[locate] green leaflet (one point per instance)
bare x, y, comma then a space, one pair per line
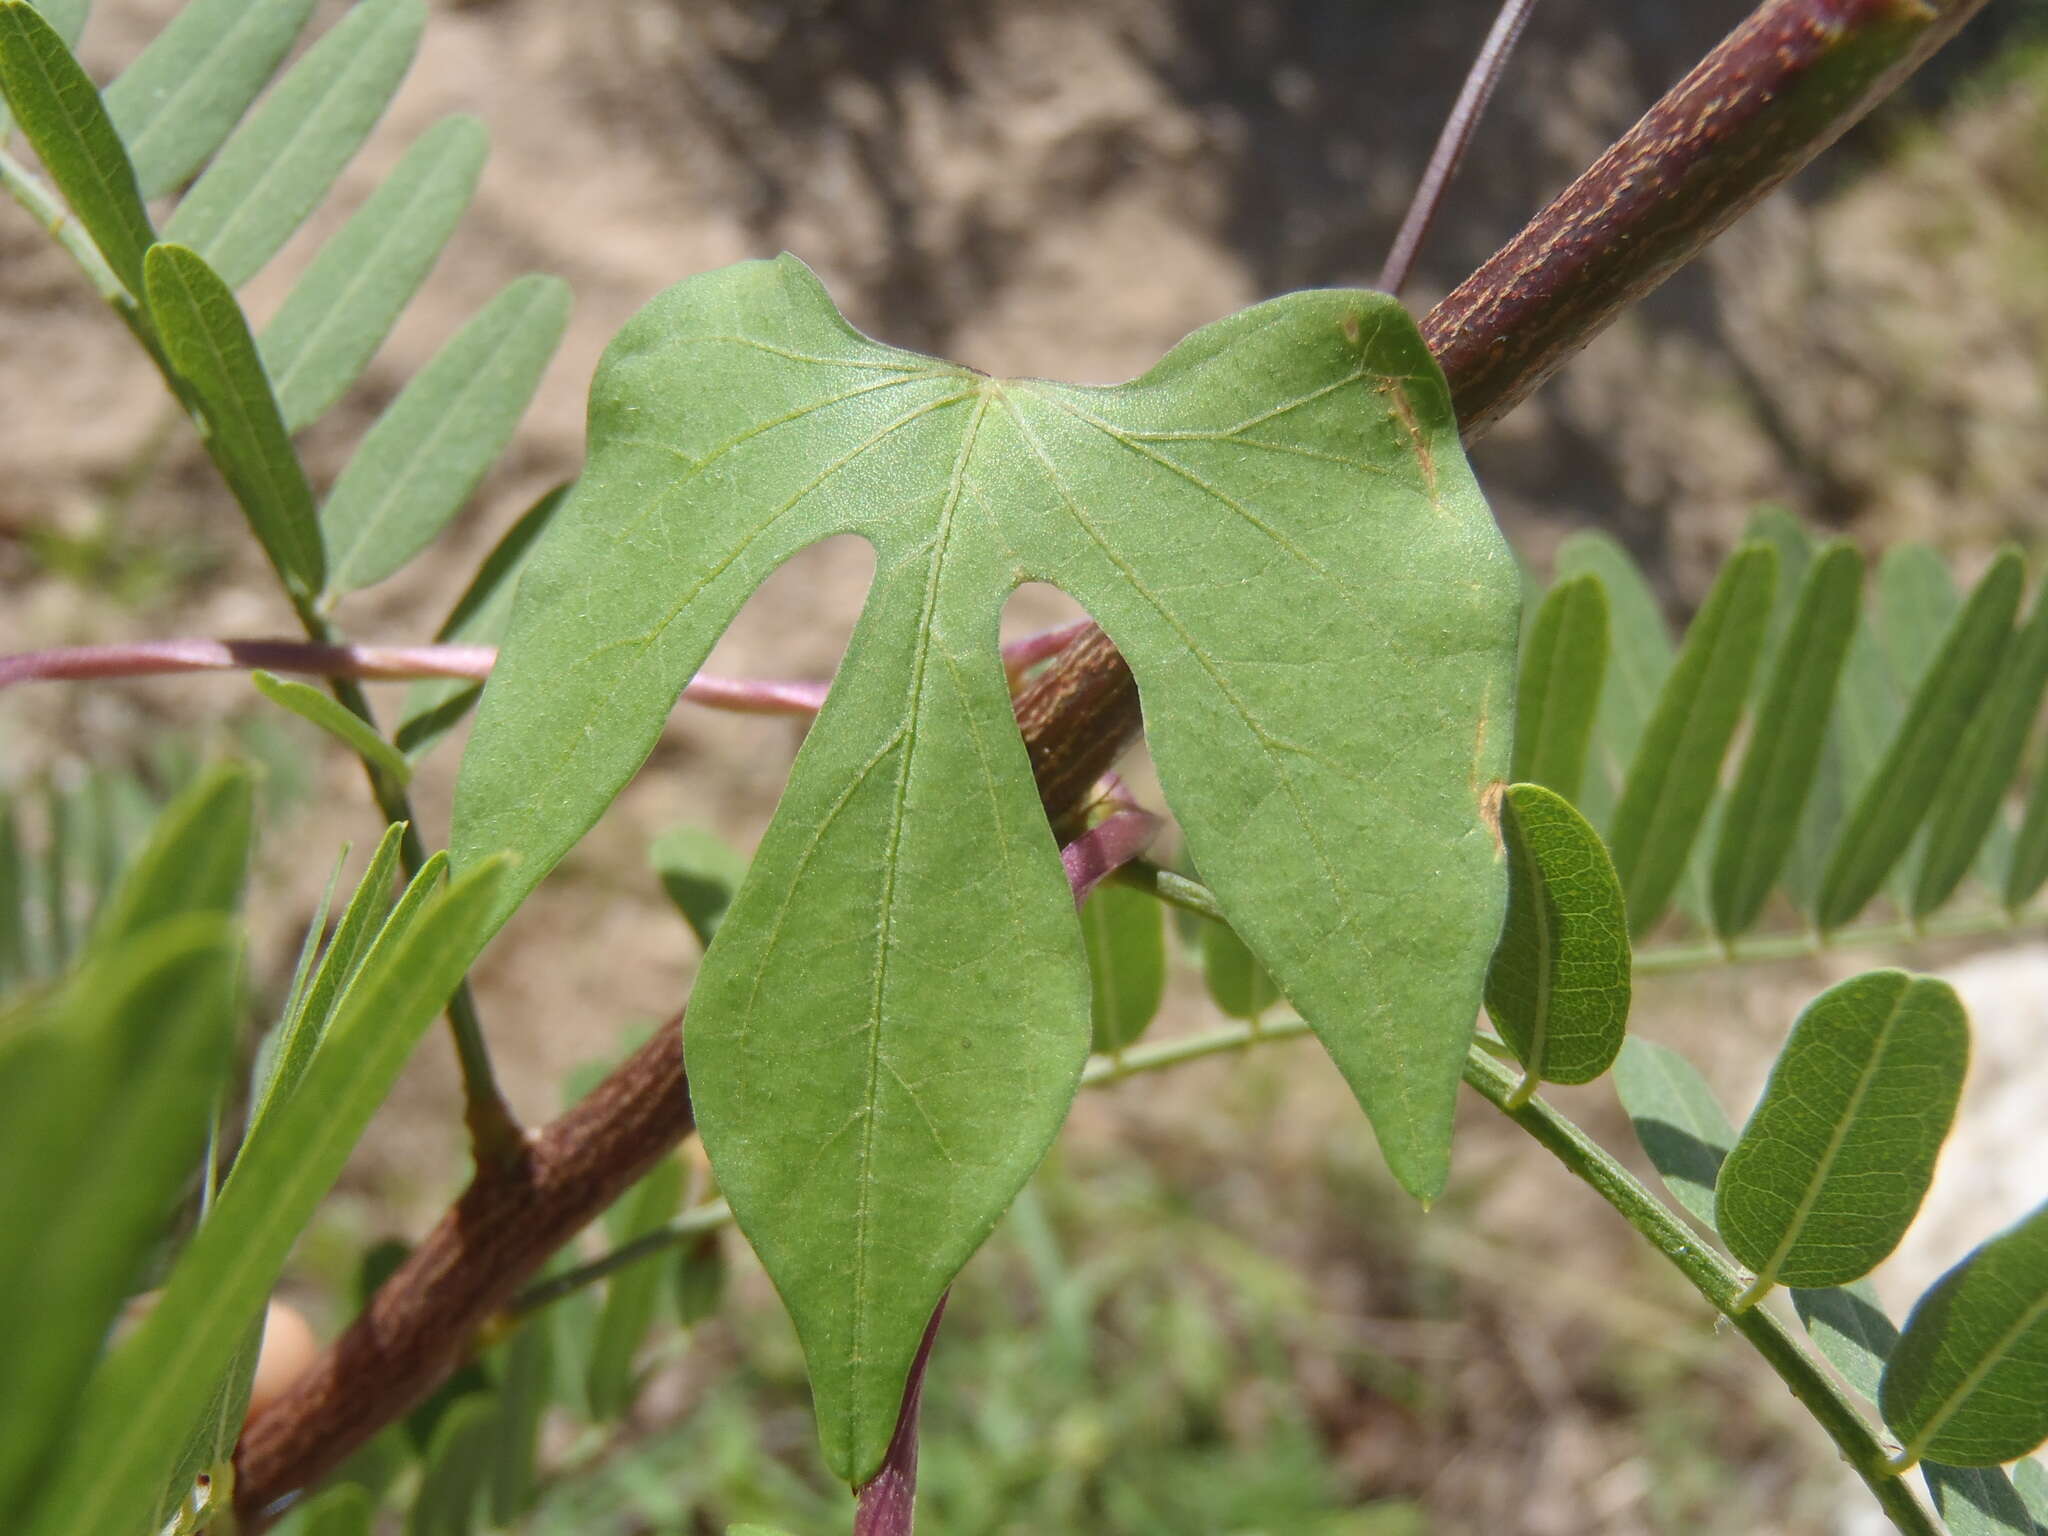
1238, 985
1977, 1501
347, 1510
1564, 663
345, 304
207, 342
67, 20
104, 1103
419, 463
336, 719
54, 101
131, 1425
1831, 1168
632, 1294
1671, 781
456, 1470
1890, 808
432, 709
1683, 1130
1776, 526
1275, 518
2030, 849
1849, 1327
1765, 808
1917, 603
1968, 1383
18, 960
700, 871
525, 1372
1124, 931
195, 861
1639, 655
1967, 804
190, 86
2031, 1479
280, 163
1558, 990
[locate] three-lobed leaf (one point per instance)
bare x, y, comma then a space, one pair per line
1564, 666
1276, 528
1968, 1382
1559, 986
1831, 1168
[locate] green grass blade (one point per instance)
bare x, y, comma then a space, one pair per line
1830, 1170
208, 343
419, 463
1892, 805
1564, 665
433, 709
336, 719
1977, 1501
1966, 806
189, 87
109, 1106
1768, 802
1125, 934
1558, 990
1848, 1325
54, 101
195, 860
1968, 1383
132, 1422
1639, 656
1678, 762
633, 1294
700, 871
280, 163
340, 311
1683, 1130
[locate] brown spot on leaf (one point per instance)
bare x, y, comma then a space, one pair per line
1490, 799
1350, 326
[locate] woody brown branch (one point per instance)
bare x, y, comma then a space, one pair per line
1776, 92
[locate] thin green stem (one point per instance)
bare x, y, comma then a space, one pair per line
695, 1222
29, 190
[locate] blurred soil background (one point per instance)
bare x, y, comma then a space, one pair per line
1211, 1314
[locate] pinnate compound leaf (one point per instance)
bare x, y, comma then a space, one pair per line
1639, 657
891, 1024
1125, 933
700, 871
1831, 1168
1848, 1325
1892, 804
336, 719
345, 304
1678, 762
1759, 829
1683, 1130
208, 343
280, 163
418, 464
191, 85
132, 1422
1972, 791
1558, 990
60, 111
1564, 663
1977, 1501
1968, 1383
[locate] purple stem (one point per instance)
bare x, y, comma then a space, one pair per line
888, 1500
1097, 853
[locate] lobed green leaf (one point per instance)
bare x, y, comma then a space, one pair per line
131, 1424
336, 719
279, 164
1124, 931
1766, 806
1683, 1130
1973, 789
1892, 805
1275, 518
342, 308
1831, 1168
417, 466
207, 342
1968, 1383
1558, 990
1564, 665
1671, 782
191, 85
1639, 657
58, 108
